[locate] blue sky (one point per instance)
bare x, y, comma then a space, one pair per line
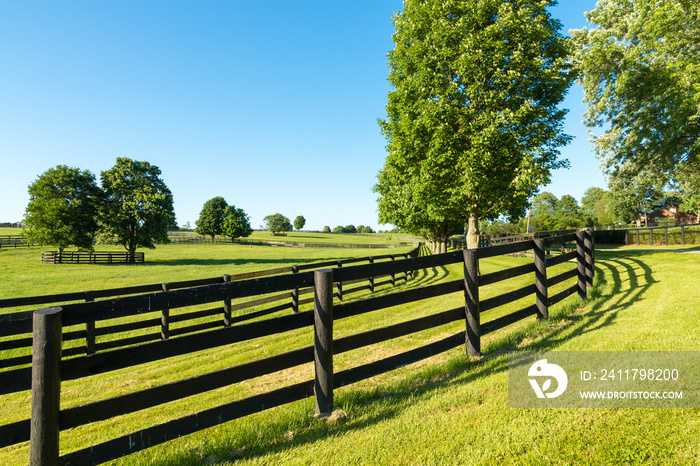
271, 104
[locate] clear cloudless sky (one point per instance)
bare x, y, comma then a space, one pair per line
272, 104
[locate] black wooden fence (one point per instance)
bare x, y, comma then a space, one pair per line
85, 257
680, 234
13, 241
50, 367
19, 324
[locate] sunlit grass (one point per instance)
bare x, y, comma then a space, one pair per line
446, 410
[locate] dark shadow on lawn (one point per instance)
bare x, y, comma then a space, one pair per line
605, 305
425, 277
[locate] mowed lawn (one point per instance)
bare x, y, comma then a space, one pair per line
449, 410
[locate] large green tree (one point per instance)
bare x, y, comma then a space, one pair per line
277, 222
63, 208
634, 193
543, 212
299, 222
138, 207
640, 70
211, 217
550, 213
236, 223
687, 181
595, 207
568, 213
473, 125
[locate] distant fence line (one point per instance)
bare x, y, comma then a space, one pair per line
84, 257
13, 241
49, 368
681, 234
263, 242
665, 235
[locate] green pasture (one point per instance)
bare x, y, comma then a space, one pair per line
445, 410
25, 275
318, 237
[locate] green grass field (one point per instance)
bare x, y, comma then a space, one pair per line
25, 275
318, 237
445, 410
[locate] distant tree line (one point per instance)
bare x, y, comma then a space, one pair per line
67, 208
598, 208
348, 229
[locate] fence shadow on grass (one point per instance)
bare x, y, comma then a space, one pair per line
607, 299
425, 277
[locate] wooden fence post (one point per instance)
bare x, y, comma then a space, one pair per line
581, 264
340, 284
371, 279
227, 304
637, 236
590, 257
295, 292
682, 236
471, 297
393, 277
405, 274
46, 387
542, 293
165, 316
651, 237
89, 327
323, 341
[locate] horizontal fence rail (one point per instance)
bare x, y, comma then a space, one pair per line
50, 367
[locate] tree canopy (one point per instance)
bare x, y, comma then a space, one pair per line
687, 182
236, 223
473, 125
63, 209
551, 213
634, 192
595, 207
277, 223
640, 73
211, 217
299, 222
138, 207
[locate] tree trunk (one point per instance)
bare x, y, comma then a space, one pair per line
443, 239
473, 231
